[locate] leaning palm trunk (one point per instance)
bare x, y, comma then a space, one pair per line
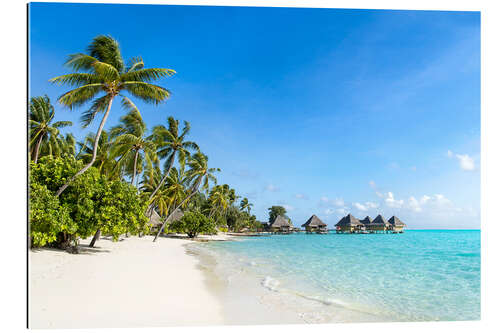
135, 167
195, 189
170, 164
94, 153
37, 149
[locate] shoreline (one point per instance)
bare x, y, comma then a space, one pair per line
130, 283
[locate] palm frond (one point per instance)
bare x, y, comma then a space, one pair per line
59, 124
99, 105
77, 79
148, 92
106, 49
80, 95
147, 74
135, 64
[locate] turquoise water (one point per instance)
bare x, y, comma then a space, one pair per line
415, 276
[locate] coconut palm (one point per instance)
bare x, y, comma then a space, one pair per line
199, 176
245, 205
41, 127
130, 143
171, 145
100, 77
104, 159
151, 178
175, 186
219, 199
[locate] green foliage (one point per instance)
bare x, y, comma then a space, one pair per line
90, 203
47, 217
275, 211
194, 223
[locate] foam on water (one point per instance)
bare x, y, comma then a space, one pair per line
415, 276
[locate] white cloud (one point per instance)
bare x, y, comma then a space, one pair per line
392, 202
289, 208
301, 196
272, 188
366, 206
465, 161
339, 202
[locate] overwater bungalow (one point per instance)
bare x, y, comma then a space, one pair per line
281, 224
379, 224
349, 224
396, 225
314, 224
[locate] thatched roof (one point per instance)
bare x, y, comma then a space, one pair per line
280, 221
379, 220
348, 220
366, 220
396, 222
314, 221
154, 218
177, 215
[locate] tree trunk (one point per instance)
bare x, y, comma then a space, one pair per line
37, 148
94, 153
195, 189
171, 163
135, 166
96, 237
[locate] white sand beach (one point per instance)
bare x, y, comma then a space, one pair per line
130, 283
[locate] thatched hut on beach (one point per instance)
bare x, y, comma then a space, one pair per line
314, 224
154, 219
281, 224
176, 216
378, 224
396, 225
348, 224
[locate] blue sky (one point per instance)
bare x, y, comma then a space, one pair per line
322, 111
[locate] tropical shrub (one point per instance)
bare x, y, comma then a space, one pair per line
91, 202
194, 223
47, 217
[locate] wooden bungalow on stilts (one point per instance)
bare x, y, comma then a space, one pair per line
366, 223
379, 224
396, 225
314, 224
349, 224
281, 225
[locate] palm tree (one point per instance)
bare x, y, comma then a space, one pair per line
219, 199
199, 176
244, 204
103, 72
170, 144
104, 160
175, 186
151, 178
42, 130
130, 143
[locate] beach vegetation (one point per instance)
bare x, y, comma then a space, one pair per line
100, 76
109, 182
44, 132
193, 223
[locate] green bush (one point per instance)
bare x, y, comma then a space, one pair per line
91, 202
194, 223
47, 217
